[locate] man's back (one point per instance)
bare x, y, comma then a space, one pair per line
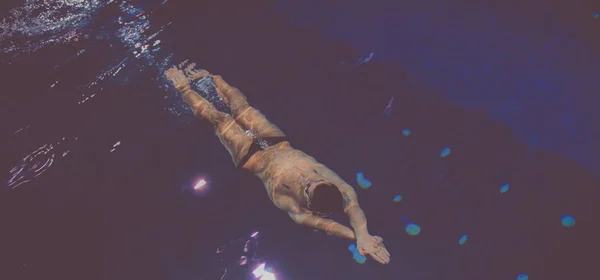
286, 172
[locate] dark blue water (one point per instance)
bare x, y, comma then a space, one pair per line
475, 170
532, 66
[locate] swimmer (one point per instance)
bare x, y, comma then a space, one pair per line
294, 181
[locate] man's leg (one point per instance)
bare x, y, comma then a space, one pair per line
234, 139
227, 130
247, 116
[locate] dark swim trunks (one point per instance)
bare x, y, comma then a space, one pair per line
259, 144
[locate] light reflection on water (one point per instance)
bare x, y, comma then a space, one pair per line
39, 24
39, 161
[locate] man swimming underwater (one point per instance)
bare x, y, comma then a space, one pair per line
295, 181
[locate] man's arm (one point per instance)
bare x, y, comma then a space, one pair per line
355, 214
331, 227
306, 218
351, 208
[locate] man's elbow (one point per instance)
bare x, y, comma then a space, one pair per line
351, 208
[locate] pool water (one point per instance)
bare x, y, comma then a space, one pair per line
109, 175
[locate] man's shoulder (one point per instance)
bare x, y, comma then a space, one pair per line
287, 203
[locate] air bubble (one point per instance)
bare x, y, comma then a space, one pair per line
504, 188
567, 220
412, 229
445, 152
363, 182
463, 239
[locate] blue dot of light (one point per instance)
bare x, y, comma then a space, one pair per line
463, 239
445, 152
412, 229
504, 188
397, 198
596, 15
567, 220
356, 255
522, 276
362, 181
406, 132
359, 258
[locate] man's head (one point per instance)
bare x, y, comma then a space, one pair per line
327, 198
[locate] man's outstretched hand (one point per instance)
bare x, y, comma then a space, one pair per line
374, 248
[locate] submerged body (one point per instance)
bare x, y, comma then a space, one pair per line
291, 177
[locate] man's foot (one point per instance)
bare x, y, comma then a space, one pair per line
196, 74
231, 95
193, 74
177, 77
183, 63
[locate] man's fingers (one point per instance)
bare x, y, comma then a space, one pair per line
381, 255
183, 63
190, 67
196, 74
377, 258
384, 250
386, 253
378, 242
